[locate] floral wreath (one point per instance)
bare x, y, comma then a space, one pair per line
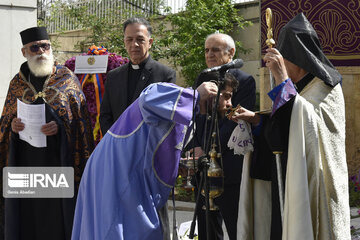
93, 84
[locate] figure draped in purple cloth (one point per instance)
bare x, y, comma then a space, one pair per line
129, 176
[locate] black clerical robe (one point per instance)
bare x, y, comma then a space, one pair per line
45, 218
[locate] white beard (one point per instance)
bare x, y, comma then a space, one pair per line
41, 65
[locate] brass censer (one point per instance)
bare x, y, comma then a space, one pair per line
216, 177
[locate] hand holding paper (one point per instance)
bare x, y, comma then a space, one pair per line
17, 125
33, 118
50, 128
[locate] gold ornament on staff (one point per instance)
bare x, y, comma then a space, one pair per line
269, 41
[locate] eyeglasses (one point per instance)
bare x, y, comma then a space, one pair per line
36, 47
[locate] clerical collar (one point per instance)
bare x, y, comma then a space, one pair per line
139, 66
300, 85
135, 66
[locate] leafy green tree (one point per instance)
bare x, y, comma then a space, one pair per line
104, 30
182, 42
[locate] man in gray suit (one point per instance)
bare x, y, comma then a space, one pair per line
125, 83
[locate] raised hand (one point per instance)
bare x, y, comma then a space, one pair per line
206, 91
275, 62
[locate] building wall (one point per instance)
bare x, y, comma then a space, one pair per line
250, 38
15, 15
64, 44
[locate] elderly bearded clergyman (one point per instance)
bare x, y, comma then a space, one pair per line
68, 139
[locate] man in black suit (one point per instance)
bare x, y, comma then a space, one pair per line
219, 50
125, 83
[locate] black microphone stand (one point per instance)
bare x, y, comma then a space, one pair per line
203, 165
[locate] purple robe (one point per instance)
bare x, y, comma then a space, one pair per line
131, 172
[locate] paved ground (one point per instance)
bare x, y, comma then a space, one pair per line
355, 222
185, 213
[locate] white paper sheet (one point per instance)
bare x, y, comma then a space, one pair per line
33, 116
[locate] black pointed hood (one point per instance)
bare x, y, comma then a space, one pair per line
299, 44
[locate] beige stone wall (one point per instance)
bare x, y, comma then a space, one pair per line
64, 44
351, 89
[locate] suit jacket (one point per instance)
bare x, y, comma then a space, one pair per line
115, 97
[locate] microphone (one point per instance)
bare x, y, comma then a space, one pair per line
236, 63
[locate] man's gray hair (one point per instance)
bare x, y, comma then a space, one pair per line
141, 21
230, 43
